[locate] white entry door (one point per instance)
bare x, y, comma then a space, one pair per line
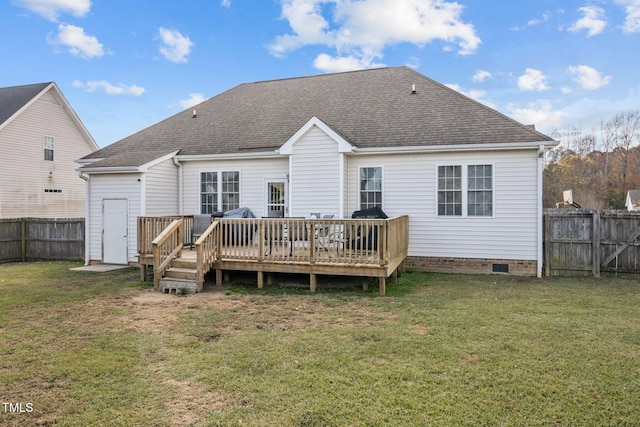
276, 197
115, 218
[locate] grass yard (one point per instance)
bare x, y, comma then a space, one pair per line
85, 349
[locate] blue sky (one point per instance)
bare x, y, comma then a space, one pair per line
127, 64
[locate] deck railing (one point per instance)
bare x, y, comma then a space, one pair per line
149, 227
345, 242
207, 252
336, 241
166, 247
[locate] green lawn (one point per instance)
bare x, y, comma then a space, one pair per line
86, 349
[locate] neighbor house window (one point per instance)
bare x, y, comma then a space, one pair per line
370, 188
465, 190
219, 191
48, 144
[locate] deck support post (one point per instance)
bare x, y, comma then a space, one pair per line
143, 272
218, 277
260, 279
394, 276
383, 285
313, 282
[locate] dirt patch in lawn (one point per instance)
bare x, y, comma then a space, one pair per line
224, 314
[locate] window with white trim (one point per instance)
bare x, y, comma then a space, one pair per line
370, 187
48, 145
480, 190
465, 190
219, 191
230, 190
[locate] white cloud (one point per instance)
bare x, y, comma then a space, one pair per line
226, 3
194, 99
77, 42
533, 80
593, 21
109, 88
481, 75
536, 21
359, 30
330, 64
539, 113
175, 47
52, 9
587, 77
632, 21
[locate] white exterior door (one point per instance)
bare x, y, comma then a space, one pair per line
115, 231
276, 197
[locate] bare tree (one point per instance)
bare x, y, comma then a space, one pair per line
628, 136
608, 140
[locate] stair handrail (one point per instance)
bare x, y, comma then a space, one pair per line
207, 252
166, 247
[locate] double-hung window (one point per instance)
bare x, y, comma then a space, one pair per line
48, 145
465, 190
219, 191
370, 187
480, 190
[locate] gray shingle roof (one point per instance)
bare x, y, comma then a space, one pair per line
370, 109
15, 97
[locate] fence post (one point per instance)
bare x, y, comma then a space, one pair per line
547, 238
595, 250
23, 239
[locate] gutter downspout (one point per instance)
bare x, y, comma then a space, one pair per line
180, 185
87, 235
540, 231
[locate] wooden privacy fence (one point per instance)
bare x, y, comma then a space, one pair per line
30, 239
590, 242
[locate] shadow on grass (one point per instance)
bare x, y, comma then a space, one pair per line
298, 284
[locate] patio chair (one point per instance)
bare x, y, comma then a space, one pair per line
200, 224
324, 234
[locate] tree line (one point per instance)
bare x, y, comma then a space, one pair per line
600, 165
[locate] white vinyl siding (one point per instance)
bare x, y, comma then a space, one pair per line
25, 175
315, 175
161, 189
410, 188
113, 186
252, 177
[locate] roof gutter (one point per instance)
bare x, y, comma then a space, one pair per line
112, 169
230, 156
457, 148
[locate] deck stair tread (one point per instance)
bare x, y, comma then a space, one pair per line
181, 273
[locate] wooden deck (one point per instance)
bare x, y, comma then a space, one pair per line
349, 247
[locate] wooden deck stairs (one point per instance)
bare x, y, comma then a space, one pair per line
180, 278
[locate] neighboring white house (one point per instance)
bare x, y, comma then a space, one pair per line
633, 200
469, 177
40, 138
